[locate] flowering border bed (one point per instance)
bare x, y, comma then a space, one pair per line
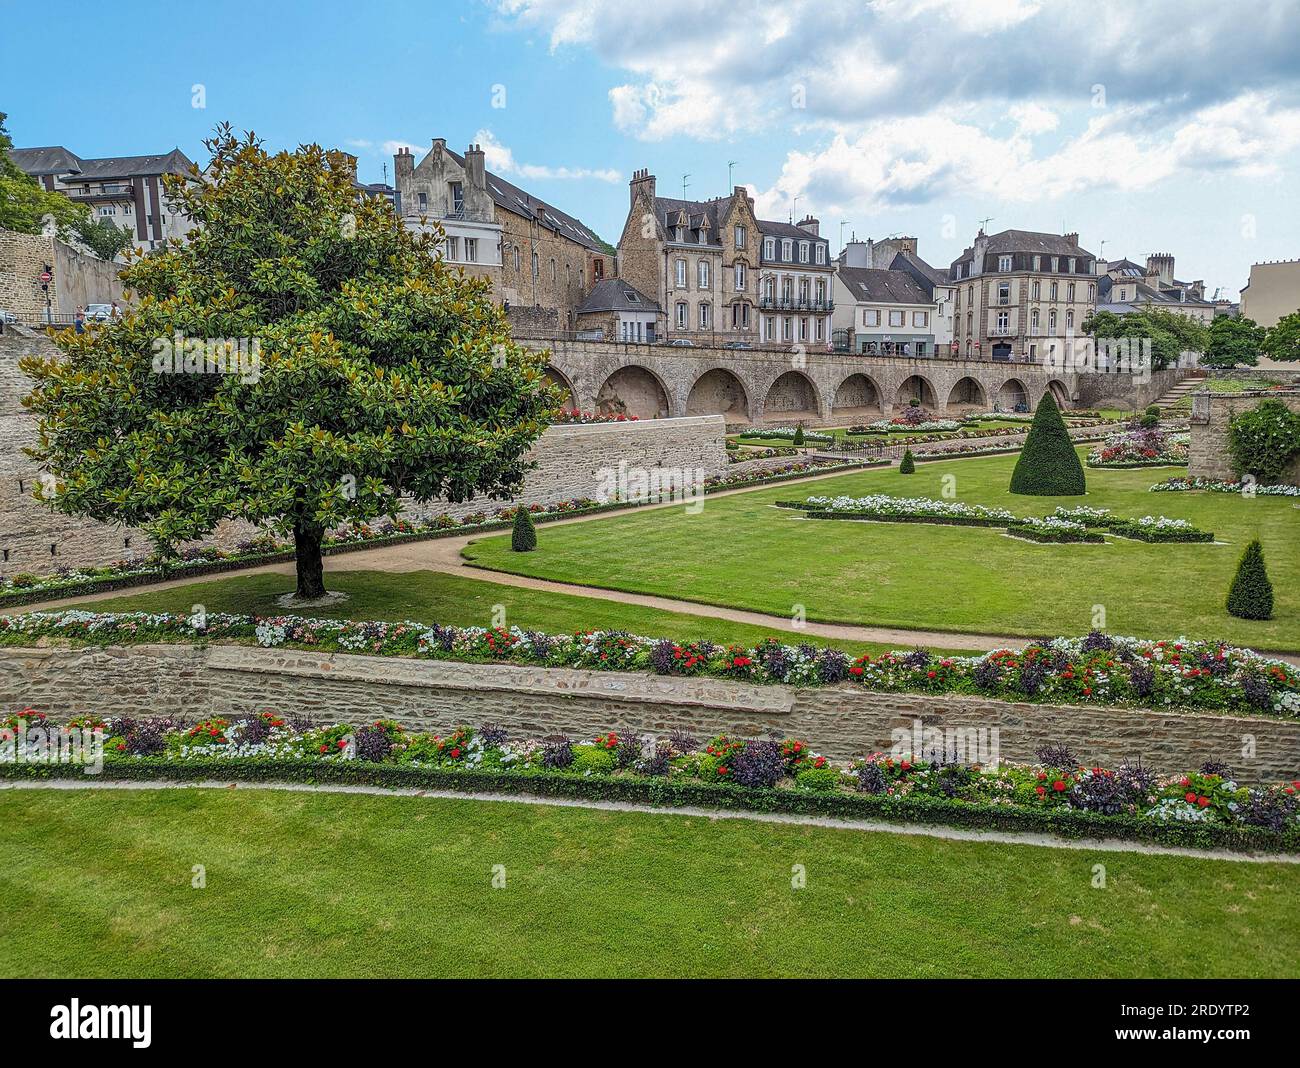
1054, 531
1056, 795
214, 561
1213, 485
1096, 670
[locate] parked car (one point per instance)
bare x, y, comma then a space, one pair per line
737, 345
99, 313
681, 343
7, 316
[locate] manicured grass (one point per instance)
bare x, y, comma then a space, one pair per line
1225, 385
739, 550
434, 597
313, 885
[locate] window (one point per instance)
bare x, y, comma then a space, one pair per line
740, 278
680, 267
703, 235
957, 304
1069, 319
821, 328
1054, 291
803, 251
1070, 268
821, 291
957, 272
453, 248
704, 316
457, 197
552, 270
821, 255
1034, 290
1038, 263
702, 274
537, 266
1051, 321
787, 288
108, 209
803, 328
1004, 263
1033, 321
740, 237
471, 250
1056, 264
769, 248
518, 265
424, 201
1092, 293
920, 348
787, 250
740, 317
1004, 322
1069, 292
681, 315
769, 289
1004, 292
677, 234
870, 317
968, 322
897, 318
771, 329
921, 319
597, 269
787, 330
126, 208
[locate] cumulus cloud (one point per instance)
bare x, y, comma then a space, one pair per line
500, 158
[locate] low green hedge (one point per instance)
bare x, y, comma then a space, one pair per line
668, 793
1023, 530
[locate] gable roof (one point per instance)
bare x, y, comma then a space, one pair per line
883, 286
1026, 241
509, 197
906, 261
613, 294
57, 160
52, 159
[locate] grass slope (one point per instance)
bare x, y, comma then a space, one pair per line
353, 885
740, 551
434, 597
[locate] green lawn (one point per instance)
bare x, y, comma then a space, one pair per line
433, 597
1225, 385
353, 885
741, 551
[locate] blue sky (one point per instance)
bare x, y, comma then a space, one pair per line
1171, 127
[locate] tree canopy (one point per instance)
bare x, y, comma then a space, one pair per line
1234, 340
1282, 342
24, 203
370, 371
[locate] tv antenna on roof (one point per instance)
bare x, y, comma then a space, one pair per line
984, 224
730, 164
684, 185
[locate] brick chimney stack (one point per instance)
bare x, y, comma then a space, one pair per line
809, 225
642, 181
475, 171
403, 165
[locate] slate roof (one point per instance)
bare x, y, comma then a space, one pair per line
57, 160
880, 286
611, 294
53, 159
667, 210
1027, 241
510, 197
904, 260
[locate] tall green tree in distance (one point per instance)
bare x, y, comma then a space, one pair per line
1048, 466
1233, 341
371, 371
1282, 341
23, 203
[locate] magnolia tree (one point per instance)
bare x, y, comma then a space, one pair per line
300, 359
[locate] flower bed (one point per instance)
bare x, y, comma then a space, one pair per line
1138, 448
1052, 529
571, 416
784, 433
1158, 528
738, 456
882, 506
1097, 669
1055, 794
1213, 485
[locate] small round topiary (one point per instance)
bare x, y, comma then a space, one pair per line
1251, 594
907, 465
523, 537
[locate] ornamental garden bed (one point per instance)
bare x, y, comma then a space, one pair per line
1055, 795
1061, 532
1182, 484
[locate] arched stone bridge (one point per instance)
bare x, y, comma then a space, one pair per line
774, 385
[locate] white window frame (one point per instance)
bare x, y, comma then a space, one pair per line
683, 313
803, 251
920, 318
821, 254
679, 274
1004, 264
702, 274
897, 317
740, 277
769, 248
739, 235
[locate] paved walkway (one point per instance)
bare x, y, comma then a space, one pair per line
956, 834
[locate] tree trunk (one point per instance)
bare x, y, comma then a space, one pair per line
307, 558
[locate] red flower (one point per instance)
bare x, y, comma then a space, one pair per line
1058, 786
929, 674
1202, 801
1040, 790
1189, 797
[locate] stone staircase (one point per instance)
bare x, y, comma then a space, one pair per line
1187, 386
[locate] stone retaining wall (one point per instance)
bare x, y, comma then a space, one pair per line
842, 722
1212, 413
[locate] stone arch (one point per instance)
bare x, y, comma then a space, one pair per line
792, 397
917, 386
1013, 396
633, 390
858, 397
968, 395
555, 377
719, 392
1060, 393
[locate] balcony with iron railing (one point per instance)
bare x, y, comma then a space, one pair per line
803, 304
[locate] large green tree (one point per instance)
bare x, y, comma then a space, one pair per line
1282, 341
1139, 327
23, 202
379, 373
1233, 340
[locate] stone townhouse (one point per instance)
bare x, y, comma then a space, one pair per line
1023, 295
1124, 287
795, 286
124, 190
541, 261
900, 254
699, 260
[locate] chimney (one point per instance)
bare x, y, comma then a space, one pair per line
1161, 266
350, 165
475, 174
857, 254
809, 225
403, 165
642, 182
1072, 238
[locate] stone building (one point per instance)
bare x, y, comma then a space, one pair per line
1272, 292
1023, 295
542, 262
883, 312
615, 310
125, 190
699, 260
76, 279
1124, 287
795, 285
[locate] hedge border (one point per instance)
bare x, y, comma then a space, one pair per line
666, 793
1028, 533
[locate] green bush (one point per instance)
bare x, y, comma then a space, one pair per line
1048, 465
1262, 441
1251, 594
908, 464
798, 435
592, 759
523, 536
822, 780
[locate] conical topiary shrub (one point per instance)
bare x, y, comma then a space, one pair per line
907, 465
798, 435
1251, 594
1048, 465
523, 536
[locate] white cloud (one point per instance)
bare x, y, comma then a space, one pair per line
391, 147
499, 158
1033, 118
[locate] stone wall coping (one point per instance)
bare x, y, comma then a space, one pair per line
634, 425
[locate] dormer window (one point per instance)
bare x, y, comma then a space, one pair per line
803, 251
787, 250
769, 248
1004, 263
677, 235
457, 197
821, 255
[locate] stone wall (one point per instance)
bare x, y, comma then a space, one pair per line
570, 460
78, 279
842, 722
1212, 413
